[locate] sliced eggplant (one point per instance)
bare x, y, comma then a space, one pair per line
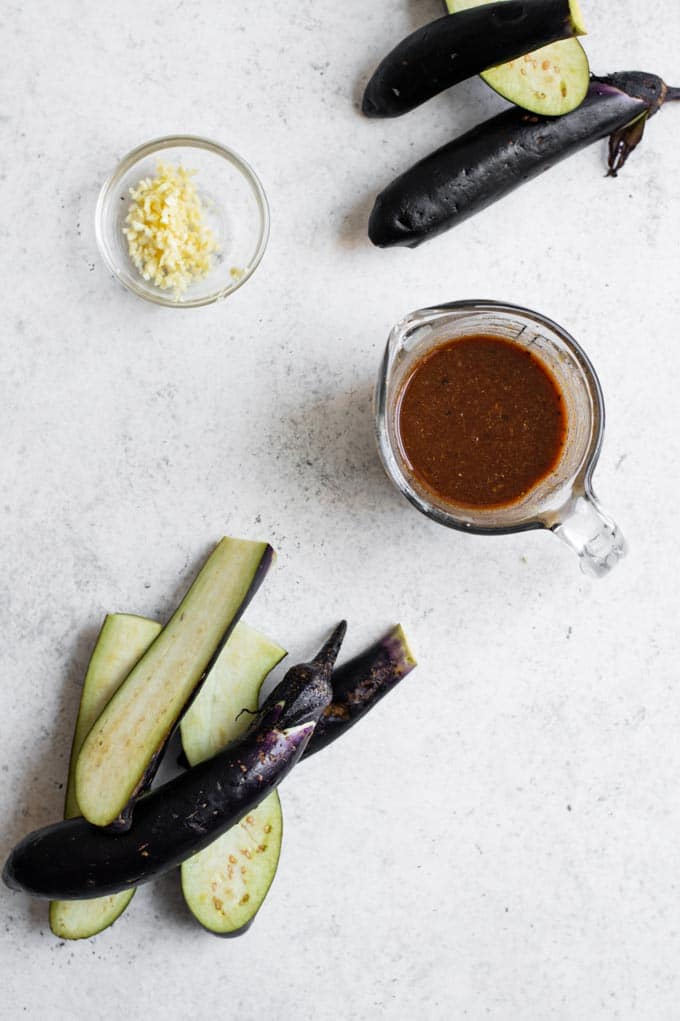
482, 166
122, 640
122, 751
73, 859
458, 46
550, 81
225, 885
220, 712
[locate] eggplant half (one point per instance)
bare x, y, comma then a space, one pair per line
550, 81
122, 641
225, 885
228, 699
458, 46
122, 752
481, 167
73, 859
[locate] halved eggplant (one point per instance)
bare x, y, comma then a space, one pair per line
73, 859
225, 885
123, 639
219, 713
456, 47
122, 751
550, 81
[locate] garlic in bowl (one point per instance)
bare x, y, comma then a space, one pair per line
182, 221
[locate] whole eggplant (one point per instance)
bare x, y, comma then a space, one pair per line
458, 46
487, 163
73, 859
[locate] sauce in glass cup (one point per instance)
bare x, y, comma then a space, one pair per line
490, 419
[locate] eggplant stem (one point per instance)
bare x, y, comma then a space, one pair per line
624, 141
328, 654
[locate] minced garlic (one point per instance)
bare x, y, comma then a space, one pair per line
168, 240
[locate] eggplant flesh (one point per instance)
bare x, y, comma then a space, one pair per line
225, 885
219, 714
475, 170
458, 46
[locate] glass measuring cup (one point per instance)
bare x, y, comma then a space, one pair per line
563, 501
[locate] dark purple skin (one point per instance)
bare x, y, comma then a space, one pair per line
308, 684
124, 821
458, 46
73, 860
493, 159
359, 684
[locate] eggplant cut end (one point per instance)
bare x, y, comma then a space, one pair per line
398, 641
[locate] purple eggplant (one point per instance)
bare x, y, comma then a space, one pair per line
73, 859
359, 684
458, 46
493, 159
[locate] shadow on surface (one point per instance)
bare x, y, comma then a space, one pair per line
39, 799
329, 440
167, 902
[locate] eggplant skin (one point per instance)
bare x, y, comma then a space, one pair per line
482, 166
235, 932
361, 683
458, 46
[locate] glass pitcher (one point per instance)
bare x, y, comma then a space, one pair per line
564, 501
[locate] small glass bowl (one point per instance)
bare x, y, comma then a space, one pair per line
235, 208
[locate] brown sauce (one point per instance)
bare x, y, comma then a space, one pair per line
481, 421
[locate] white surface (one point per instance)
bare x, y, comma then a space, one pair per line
499, 839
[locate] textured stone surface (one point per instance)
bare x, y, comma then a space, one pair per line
500, 838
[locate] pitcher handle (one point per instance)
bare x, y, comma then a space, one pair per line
592, 534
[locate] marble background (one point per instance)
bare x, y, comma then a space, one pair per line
499, 839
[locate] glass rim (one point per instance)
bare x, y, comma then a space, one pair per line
579, 481
172, 142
